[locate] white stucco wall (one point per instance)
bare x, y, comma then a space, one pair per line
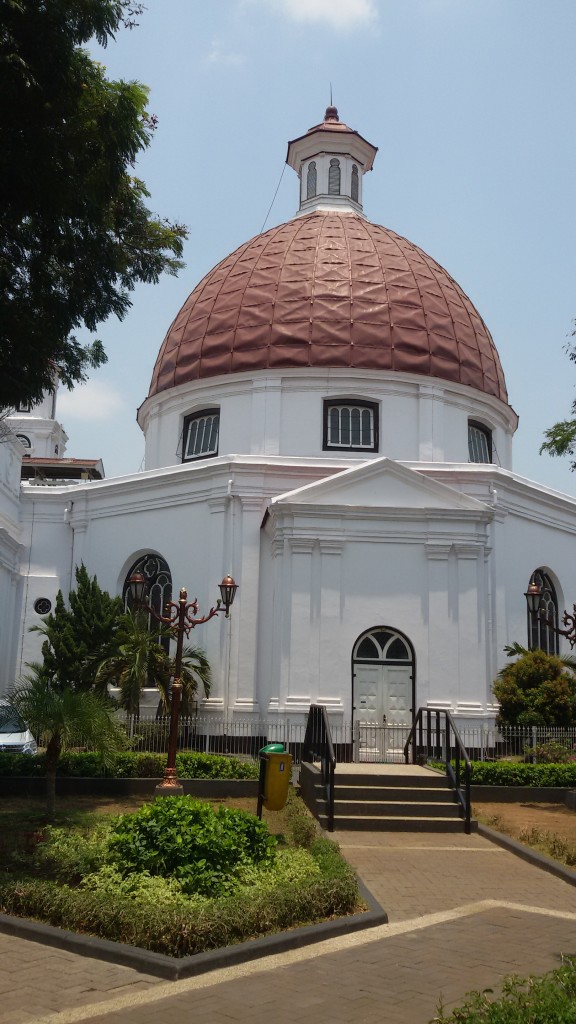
281, 413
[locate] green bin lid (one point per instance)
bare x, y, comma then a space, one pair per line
273, 748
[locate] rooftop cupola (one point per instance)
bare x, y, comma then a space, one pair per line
330, 160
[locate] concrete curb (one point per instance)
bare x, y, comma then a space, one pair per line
172, 969
539, 860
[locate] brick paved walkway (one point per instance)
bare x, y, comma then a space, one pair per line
463, 913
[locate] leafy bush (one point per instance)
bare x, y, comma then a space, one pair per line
514, 773
552, 752
550, 999
264, 890
191, 841
130, 765
536, 690
174, 930
69, 855
140, 886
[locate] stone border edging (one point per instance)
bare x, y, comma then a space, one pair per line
539, 860
173, 969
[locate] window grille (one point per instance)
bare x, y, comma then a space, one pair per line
540, 633
201, 435
156, 572
350, 426
311, 180
334, 177
479, 443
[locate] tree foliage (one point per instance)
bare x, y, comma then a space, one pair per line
561, 437
135, 659
60, 718
76, 235
536, 690
77, 636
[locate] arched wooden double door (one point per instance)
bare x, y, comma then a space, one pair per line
383, 692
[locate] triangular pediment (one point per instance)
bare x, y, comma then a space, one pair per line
380, 483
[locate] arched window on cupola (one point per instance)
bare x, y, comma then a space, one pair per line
354, 187
311, 180
334, 177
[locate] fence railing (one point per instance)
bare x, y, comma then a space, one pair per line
360, 741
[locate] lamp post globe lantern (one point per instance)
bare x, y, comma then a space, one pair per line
228, 589
533, 596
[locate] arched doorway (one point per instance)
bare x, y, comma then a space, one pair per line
383, 693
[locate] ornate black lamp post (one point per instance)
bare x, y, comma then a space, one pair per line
180, 617
534, 598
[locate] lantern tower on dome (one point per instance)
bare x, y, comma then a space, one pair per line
330, 160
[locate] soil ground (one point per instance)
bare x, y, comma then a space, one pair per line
513, 819
24, 813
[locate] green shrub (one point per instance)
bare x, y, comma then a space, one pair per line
551, 752
536, 689
550, 999
130, 764
139, 886
69, 855
174, 930
513, 773
192, 841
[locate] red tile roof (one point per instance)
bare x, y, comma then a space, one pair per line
329, 290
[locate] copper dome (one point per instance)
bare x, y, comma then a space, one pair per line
329, 290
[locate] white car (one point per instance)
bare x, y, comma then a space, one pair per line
15, 736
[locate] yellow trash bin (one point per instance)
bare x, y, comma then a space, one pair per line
277, 775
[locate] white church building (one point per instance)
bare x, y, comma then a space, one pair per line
328, 422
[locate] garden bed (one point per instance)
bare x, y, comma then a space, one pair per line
175, 938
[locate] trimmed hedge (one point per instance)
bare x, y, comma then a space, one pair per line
516, 773
176, 931
129, 765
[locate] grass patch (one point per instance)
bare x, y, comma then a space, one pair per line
250, 884
549, 999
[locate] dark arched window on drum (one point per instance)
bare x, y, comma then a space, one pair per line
156, 572
540, 632
311, 179
334, 177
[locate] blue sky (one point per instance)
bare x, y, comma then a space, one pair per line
471, 103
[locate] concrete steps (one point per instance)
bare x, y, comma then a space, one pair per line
402, 801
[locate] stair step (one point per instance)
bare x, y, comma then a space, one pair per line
430, 781
408, 808
400, 793
364, 823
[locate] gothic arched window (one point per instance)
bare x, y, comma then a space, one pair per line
156, 572
311, 180
540, 634
334, 177
354, 189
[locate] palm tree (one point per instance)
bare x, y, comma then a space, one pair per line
62, 718
135, 660
138, 660
195, 672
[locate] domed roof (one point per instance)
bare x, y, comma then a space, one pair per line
329, 289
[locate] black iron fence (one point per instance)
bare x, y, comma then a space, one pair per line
360, 741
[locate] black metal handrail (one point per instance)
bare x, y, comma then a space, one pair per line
425, 740
318, 746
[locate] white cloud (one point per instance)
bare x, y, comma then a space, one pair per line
335, 13
218, 55
94, 400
